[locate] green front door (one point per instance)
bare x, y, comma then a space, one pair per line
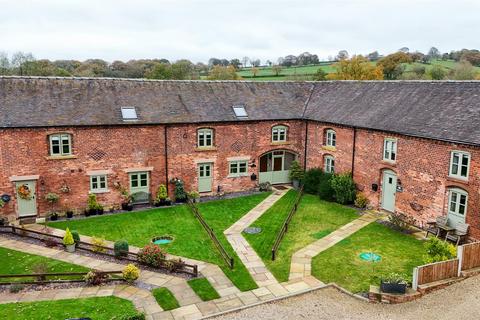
140, 187
26, 206
204, 177
389, 189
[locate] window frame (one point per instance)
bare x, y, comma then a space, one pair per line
236, 163
460, 193
330, 138
61, 146
202, 132
459, 165
139, 179
99, 189
395, 152
276, 133
329, 164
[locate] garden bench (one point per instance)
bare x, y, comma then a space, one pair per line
434, 227
459, 234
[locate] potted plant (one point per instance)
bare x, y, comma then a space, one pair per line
162, 196
393, 283
296, 174
52, 198
69, 213
53, 216
92, 205
194, 196
180, 194
68, 241
127, 200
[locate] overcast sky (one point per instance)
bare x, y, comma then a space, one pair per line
264, 29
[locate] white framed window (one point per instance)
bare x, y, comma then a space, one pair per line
205, 138
138, 180
390, 150
240, 111
279, 134
329, 165
129, 113
459, 165
238, 168
60, 144
331, 138
457, 202
98, 183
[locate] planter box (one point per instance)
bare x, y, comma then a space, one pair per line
393, 287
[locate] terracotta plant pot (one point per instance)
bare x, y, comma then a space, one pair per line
70, 248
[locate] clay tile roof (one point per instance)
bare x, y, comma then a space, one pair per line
443, 110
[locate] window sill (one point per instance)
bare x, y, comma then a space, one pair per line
61, 157
277, 143
238, 176
458, 180
99, 191
329, 148
390, 163
200, 149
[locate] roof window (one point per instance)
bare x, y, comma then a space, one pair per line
129, 113
240, 111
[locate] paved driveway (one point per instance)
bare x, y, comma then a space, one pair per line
460, 301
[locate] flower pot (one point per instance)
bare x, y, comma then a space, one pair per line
296, 183
127, 206
387, 287
100, 211
157, 203
69, 214
168, 202
70, 248
181, 200
54, 217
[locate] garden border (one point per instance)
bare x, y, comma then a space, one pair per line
36, 275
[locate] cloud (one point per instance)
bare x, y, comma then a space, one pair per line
198, 30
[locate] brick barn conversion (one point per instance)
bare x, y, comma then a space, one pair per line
412, 146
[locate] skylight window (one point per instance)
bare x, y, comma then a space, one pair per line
129, 113
240, 111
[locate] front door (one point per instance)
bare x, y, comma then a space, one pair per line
389, 188
275, 167
140, 186
457, 207
27, 206
204, 177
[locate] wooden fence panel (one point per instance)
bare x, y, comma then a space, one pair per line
471, 256
437, 271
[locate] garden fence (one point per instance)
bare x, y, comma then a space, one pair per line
42, 277
180, 267
468, 257
285, 225
223, 253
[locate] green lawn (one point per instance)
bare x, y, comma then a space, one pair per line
102, 308
203, 289
165, 298
266, 73
16, 262
190, 239
314, 219
341, 264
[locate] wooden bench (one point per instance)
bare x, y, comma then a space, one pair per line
433, 227
458, 235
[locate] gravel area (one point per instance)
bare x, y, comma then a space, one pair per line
459, 301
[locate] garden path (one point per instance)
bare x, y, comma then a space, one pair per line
301, 265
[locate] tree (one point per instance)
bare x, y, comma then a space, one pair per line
182, 69
269, 63
235, 63
419, 70
464, 71
4, 64
160, 71
433, 53
277, 69
288, 61
356, 68
223, 73
19, 62
437, 72
255, 62
320, 75
404, 49
254, 71
342, 55
245, 61
373, 56
214, 62
391, 64
472, 56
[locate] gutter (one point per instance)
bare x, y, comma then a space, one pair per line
166, 156
353, 149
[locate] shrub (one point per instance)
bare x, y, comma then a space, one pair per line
193, 195
130, 273
120, 248
173, 265
296, 171
98, 244
438, 250
361, 201
311, 180
92, 203
95, 277
151, 255
180, 193
40, 267
400, 221
161, 193
76, 236
51, 197
68, 238
324, 188
137, 316
344, 188
265, 186
395, 278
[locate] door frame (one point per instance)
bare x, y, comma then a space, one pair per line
34, 198
146, 189
385, 173
200, 164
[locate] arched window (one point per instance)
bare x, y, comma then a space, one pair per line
279, 134
457, 202
60, 144
205, 137
330, 138
329, 164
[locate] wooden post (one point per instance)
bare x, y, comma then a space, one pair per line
415, 279
460, 259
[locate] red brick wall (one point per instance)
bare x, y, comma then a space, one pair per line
249, 139
25, 152
422, 166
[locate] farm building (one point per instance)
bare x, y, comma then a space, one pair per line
413, 146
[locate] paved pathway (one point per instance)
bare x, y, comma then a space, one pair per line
246, 253
301, 265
